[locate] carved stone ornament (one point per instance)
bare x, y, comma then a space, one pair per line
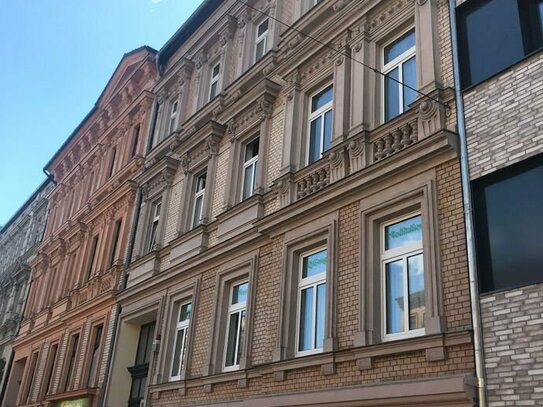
231, 130
264, 110
336, 157
213, 144
185, 163
339, 4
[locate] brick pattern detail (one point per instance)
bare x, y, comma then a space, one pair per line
204, 322
276, 146
267, 301
348, 274
513, 343
454, 272
109, 326
222, 173
504, 117
173, 209
385, 369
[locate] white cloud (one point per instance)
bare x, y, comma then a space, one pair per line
155, 1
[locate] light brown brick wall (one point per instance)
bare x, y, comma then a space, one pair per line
411, 365
454, 272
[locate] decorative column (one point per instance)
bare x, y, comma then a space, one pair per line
363, 81
226, 35
427, 38
183, 83
290, 160
342, 90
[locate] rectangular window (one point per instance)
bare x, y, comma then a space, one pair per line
311, 302
400, 67
181, 338
93, 367
31, 376
153, 230
72, 356
249, 169
140, 369
402, 273
507, 209
320, 123
52, 364
135, 141
214, 81
261, 41
115, 247
200, 189
495, 34
173, 117
235, 327
92, 258
112, 162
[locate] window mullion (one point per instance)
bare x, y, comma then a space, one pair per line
314, 312
406, 294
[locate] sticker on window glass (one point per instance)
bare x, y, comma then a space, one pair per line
406, 232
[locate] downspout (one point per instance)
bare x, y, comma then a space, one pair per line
468, 215
50, 176
122, 286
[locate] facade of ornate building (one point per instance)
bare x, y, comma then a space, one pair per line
19, 239
501, 71
300, 238
63, 345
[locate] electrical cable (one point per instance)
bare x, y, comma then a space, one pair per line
339, 52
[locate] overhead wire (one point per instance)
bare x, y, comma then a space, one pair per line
344, 54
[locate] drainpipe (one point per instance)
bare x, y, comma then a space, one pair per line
50, 176
468, 215
122, 286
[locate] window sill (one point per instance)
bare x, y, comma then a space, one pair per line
189, 244
433, 345
239, 218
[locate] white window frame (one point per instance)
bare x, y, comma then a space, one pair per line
251, 162
214, 80
153, 226
198, 193
234, 309
390, 66
174, 116
314, 116
181, 326
303, 284
389, 256
261, 38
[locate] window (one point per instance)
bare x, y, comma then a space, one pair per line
93, 367
173, 117
72, 355
52, 363
507, 209
249, 169
92, 259
27, 396
320, 123
135, 141
112, 162
155, 218
200, 189
261, 42
311, 302
235, 328
402, 273
399, 66
495, 34
116, 236
214, 81
181, 339
141, 367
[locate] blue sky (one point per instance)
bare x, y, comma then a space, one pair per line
56, 56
